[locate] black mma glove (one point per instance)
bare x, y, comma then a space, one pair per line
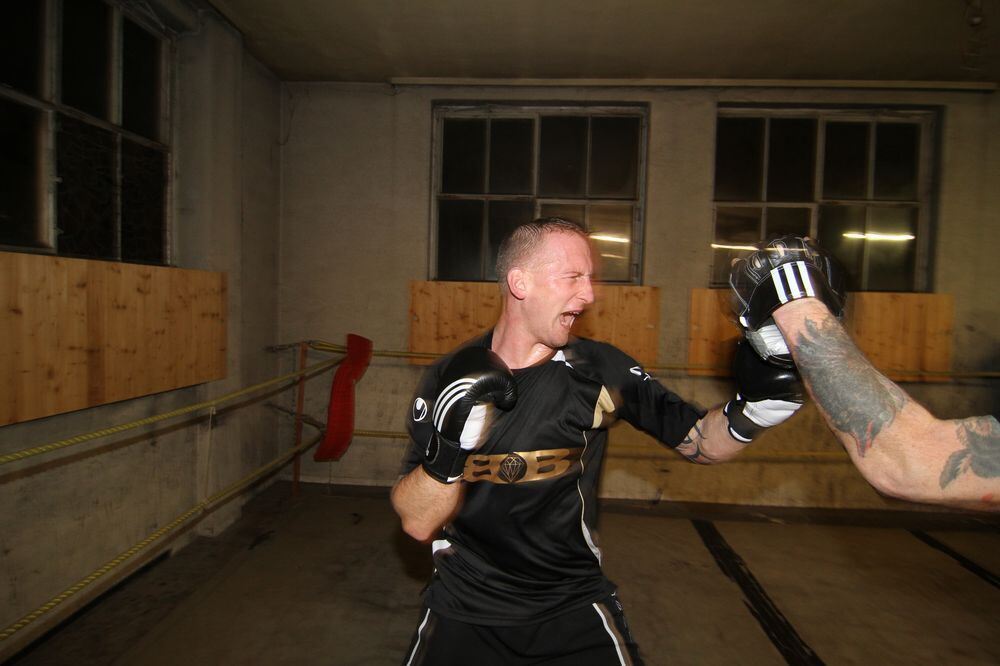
474, 380
782, 270
766, 394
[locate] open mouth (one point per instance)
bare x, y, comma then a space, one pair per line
567, 318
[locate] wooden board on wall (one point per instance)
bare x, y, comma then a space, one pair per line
445, 314
900, 333
79, 333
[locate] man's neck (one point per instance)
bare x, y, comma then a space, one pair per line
515, 346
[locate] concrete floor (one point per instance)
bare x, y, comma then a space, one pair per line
330, 579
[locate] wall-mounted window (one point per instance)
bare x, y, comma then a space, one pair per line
856, 180
84, 151
498, 166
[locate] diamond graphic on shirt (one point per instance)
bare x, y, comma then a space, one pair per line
512, 468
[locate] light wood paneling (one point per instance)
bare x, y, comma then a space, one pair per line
902, 334
79, 333
445, 314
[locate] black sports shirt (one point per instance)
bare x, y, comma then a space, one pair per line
523, 546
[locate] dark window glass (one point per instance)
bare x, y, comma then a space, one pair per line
19, 186
614, 157
738, 159
892, 261
563, 156
143, 178
511, 147
576, 213
787, 221
503, 217
85, 162
845, 174
86, 56
464, 157
896, 160
460, 236
21, 45
834, 223
791, 159
140, 81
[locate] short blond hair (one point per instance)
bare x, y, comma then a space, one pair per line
526, 239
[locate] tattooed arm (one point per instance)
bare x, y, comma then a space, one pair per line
898, 446
709, 441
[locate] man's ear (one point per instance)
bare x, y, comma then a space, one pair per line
517, 283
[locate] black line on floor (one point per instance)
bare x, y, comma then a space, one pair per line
775, 625
980, 571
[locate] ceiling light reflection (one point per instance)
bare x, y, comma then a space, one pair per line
720, 246
875, 236
610, 238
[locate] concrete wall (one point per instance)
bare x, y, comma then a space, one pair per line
355, 229
77, 510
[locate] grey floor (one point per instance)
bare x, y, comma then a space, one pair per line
328, 578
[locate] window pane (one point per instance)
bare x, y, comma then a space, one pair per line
143, 178
791, 159
891, 263
460, 235
503, 217
21, 45
19, 186
834, 222
733, 227
86, 56
737, 225
463, 157
570, 212
739, 159
845, 174
786, 221
896, 161
85, 162
611, 234
140, 81
614, 157
511, 147
563, 156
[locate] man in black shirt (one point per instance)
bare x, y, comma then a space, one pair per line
509, 435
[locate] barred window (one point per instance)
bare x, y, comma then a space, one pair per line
84, 152
856, 180
498, 166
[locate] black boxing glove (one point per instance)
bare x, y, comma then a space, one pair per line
472, 383
766, 394
780, 271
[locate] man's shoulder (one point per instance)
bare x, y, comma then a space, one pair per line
597, 359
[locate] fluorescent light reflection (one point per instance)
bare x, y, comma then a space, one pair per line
612, 256
875, 236
610, 238
719, 246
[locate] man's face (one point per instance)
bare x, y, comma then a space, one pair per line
558, 287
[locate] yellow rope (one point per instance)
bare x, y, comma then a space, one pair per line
176, 523
79, 439
987, 374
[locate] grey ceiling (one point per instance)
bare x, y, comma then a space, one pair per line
378, 40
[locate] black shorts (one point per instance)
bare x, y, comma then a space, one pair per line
594, 635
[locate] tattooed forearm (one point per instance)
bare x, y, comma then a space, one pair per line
690, 448
980, 454
859, 400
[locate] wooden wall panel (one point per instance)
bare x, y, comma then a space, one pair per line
445, 314
79, 333
900, 333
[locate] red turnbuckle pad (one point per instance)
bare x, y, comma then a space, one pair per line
340, 414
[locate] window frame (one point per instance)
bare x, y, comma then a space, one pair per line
514, 110
50, 105
926, 118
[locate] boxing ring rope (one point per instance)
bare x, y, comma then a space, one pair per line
292, 455
321, 345
200, 509
207, 404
